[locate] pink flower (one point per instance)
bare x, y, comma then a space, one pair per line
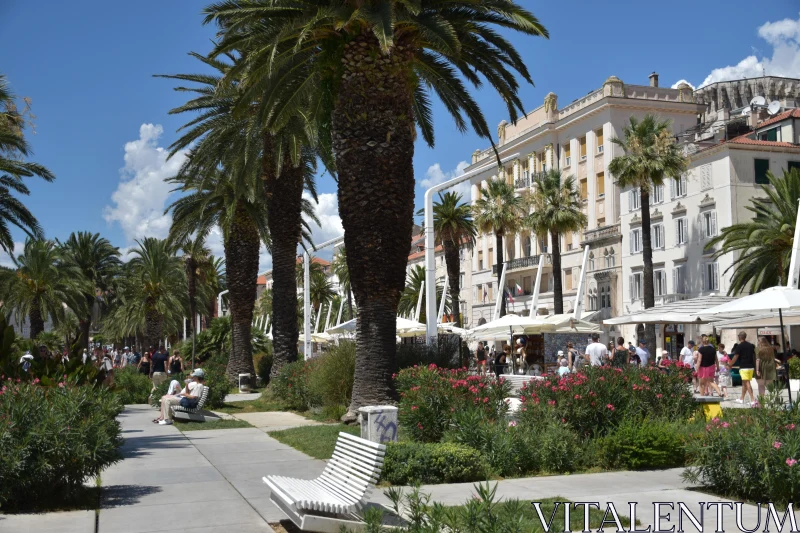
790, 427
659, 395
777, 445
512, 424
551, 402
413, 407
610, 407
791, 462
725, 424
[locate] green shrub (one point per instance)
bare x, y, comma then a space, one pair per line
647, 444
53, 439
290, 386
132, 386
794, 368
411, 462
263, 364
446, 354
330, 382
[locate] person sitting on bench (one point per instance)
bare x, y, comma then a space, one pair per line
188, 397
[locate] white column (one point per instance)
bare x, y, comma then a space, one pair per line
184, 328
581, 285
339, 314
537, 286
444, 299
328, 318
419, 300
591, 179
306, 306
500, 293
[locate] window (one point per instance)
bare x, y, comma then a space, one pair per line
601, 222
600, 181
567, 158
636, 241
711, 277
567, 279
658, 194
543, 159
528, 246
606, 258
526, 285
592, 299
658, 236
679, 187
679, 279
549, 280
479, 293
591, 261
480, 259
490, 260
568, 240
490, 291
543, 245
599, 135
659, 282
612, 259
681, 231
584, 189
605, 301
709, 221
636, 286
583, 148
634, 200
761, 169
769, 135
794, 165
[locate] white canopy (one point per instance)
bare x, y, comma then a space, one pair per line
511, 324
766, 320
772, 299
405, 327
688, 311
567, 323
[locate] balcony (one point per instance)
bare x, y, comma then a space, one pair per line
527, 180
522, 262
603, 233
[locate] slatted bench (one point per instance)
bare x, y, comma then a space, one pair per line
517, 381
196, 413
337, 496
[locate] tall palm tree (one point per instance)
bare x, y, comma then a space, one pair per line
14, 150
368, 70
651, 156
556, 209
454, 228
196, 259
99, 262
412, 292
339, 267
500, 211
762, 247
44, 286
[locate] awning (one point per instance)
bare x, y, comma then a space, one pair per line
679, 312
566, 323
767, 320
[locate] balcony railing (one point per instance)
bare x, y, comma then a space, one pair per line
603, 232
522, 262
527, 181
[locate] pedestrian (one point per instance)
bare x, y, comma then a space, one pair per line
707, 367
664, 361
642, 353
144, 364
158, 370
619, 355
766, 366
175, 365
563, 369
188, 397
744, 353
480, 355
596, 353
688, 358
724, 377
500, 361
573, 360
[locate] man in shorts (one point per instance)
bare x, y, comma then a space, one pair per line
745, 354
480, 353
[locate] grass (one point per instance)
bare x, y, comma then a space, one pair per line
267, 404
217, 424
316, 441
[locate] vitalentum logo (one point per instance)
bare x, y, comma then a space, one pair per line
663, 511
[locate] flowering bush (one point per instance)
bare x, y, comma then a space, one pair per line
291, 385
595, 401
53, 439
429, 396
750, 454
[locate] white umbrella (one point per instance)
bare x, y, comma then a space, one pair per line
689, 311
774, 298
567, 323
511, 324
404, 327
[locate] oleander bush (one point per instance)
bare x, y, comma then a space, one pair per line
132, 386
330, 381
750, 454
52, 439
794, 368
291, 386
645, 444
409, 463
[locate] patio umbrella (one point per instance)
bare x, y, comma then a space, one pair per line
404, 326
567, 323
774, 298
509, 325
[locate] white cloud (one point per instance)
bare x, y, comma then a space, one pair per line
435, 176
330, 225
142, 193
675, 85
784, 38
6, 260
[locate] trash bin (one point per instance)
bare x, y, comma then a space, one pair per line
378, 423
244, 382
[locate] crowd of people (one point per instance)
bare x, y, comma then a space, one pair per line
713, 365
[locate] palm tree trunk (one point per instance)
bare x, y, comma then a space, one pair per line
350, 304
241, 259
498, 239
647, 273
190, 265
86, 324
36, 320
373, 140
558, 288
153, 324
284, 196
451, 258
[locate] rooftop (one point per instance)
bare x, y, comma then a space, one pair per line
791, 113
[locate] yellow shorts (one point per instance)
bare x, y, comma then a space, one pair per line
746, 373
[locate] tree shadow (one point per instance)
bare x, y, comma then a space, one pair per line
146, 445
121, 495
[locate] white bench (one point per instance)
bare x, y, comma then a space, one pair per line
337, 496
517, 381
193, 413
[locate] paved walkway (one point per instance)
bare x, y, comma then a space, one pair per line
210, 481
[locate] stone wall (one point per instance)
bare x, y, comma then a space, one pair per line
553, 342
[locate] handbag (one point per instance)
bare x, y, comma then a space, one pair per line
189, 403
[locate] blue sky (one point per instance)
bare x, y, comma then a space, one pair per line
102, 122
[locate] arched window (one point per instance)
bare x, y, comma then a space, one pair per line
528, 246
591, 261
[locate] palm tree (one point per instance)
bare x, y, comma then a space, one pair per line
14, 150
368, 70
651, 156
196, 259
99, 262
44, 286
500, 211
454, 227
556, 210
339, 267
411, 295
762, 247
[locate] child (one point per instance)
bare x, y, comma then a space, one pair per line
563, 370
724, 375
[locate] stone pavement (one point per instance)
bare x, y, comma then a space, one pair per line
276, 420
242, 397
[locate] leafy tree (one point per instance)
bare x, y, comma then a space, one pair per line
651, 156
368, 70
500, 211
411, 294
14, 168
762, 247
556, 210
339, 267
99, 262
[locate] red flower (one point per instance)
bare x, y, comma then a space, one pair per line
610, 407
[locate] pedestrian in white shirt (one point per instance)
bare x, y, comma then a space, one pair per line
689, 358
596, 352
643, 353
